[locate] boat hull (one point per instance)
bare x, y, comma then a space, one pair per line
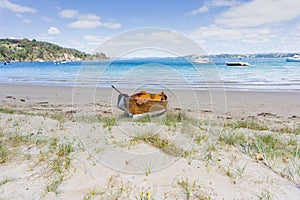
151, 106
292, 59
237, 64
143, 103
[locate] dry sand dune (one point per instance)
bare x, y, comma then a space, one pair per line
66, 143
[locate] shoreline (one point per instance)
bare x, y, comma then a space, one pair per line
183, 89
259, 101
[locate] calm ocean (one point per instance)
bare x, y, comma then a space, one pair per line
171, 73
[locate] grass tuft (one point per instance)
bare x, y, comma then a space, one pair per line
7, 110
172, 118
252, 125
108, 122
163, 144
3, 153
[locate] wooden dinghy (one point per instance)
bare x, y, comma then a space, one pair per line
142, 103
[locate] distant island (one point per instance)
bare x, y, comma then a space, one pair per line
33, 50
258, 55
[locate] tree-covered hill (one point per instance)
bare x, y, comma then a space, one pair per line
32, 50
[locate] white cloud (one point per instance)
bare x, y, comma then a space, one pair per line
164, 35
214, 3
44, 37
259, 12
95, 40
144, 53
250, 27
88, 16
217, 39
16, 7
86, 20
112, 25
217, 33
125, 43
294, 34
220, 3
199, 10
47, 19
27, 21
83, 21
150, 38
85, 24
76, 44
53, 31
19, 15
68, 13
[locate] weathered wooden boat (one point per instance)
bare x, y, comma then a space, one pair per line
142, 103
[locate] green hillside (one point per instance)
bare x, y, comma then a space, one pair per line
32, 50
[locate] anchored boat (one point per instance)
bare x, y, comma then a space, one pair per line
199, 59
237, 64
295, 58
142, 103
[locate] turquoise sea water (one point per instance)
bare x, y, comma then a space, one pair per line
262, 74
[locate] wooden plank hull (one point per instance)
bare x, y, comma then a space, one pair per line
143, 102
134, 107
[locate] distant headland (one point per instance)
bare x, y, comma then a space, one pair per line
33, 50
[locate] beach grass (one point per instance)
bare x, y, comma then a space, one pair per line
58, 161
43, 150
5, 180
248, 124
174, 117
278, 148
3, 153
7, 110
193, 190
115, 188
164, 144
269, 148
108, 122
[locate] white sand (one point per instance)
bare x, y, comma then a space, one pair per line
105, 165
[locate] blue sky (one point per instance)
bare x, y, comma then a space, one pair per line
218, 26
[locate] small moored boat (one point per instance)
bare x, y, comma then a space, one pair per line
142, 103
7, 62
295, 58
237, 64
199, 59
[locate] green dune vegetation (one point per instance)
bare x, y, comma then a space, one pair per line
33, 50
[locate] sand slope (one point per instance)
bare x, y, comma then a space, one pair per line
53, 147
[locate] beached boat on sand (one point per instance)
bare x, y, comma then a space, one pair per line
142, 103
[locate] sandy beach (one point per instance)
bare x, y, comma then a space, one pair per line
73, 143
